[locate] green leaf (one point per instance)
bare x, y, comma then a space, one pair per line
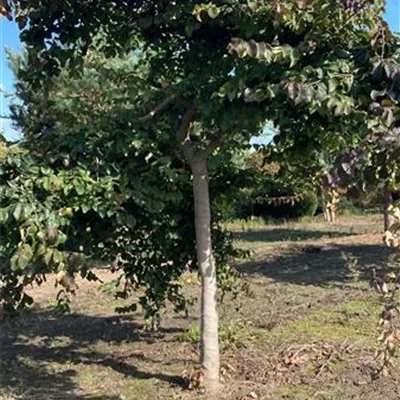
231, 95
332, 85
3, 214
321, 92
17, 214
80, 189
189, 28
48, 256
57, 256
110, 213
85, 208
61, 238
308, 93
47, 183
14, 262
272, 91
377, 93
213, 12
198, 9
41, 250
25, 255
339, 109
288, 54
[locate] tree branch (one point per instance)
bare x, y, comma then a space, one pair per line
356, 9
187, 147
187, 119
160, 107
183, 130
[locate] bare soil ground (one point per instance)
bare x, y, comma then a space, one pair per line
305, 329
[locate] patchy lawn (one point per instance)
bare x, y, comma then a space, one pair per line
304, 329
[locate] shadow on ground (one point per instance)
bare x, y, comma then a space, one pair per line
287, 235
30, 345
326, 265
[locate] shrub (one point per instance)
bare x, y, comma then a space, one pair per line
349, 207
307, 206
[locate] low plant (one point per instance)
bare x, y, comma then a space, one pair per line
231, 334
389, 322
352, 266
194, 380
191, 334
388, 288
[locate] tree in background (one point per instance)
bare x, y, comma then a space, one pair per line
329, 168
383, 143
275, 188
333, 153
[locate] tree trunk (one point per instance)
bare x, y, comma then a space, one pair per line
325, 206
387, 202
333, 214
331, 199
209, 348
335, 201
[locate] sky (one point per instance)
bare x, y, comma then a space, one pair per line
9, 38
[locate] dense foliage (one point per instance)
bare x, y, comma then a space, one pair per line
102, 192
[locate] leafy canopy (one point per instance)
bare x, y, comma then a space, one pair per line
106, 87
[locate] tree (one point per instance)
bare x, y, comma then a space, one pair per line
161, 201
383, 143
156, 197
299, 65
277, 189
322, 156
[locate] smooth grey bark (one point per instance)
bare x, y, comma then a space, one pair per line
209, 347
197, 159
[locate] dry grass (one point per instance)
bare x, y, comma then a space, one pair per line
304, 330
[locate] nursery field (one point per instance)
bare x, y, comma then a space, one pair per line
304, 328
